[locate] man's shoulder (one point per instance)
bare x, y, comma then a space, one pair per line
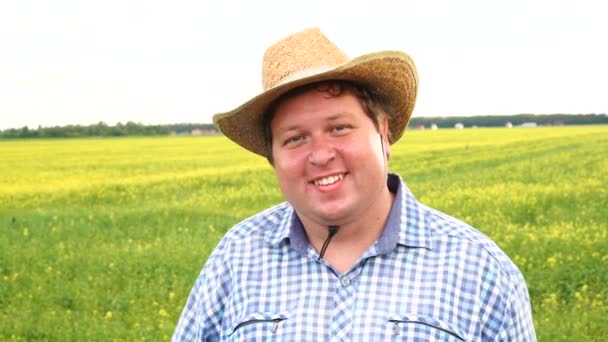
448, 230
261, 223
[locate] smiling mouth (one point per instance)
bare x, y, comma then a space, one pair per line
328, 180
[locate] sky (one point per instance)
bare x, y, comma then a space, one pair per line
80, 62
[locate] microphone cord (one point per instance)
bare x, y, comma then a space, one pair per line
332, 230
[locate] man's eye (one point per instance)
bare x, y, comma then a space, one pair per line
293, 140
341, 128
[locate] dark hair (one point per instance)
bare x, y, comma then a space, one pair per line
372, 105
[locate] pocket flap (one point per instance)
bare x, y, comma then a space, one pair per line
429, 321
258, 318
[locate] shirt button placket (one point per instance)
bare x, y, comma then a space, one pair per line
344, 281
342, 321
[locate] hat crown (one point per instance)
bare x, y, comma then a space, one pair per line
309, 49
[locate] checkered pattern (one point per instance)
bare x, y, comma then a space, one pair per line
429, 277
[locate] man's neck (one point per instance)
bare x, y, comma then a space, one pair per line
353, 238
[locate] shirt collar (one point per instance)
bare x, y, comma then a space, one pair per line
290, 228
405, 224
282, 229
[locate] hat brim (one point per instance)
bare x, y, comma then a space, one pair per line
391, 75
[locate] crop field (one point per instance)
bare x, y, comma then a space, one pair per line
102, 239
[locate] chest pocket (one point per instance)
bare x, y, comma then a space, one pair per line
422, 328
260, 326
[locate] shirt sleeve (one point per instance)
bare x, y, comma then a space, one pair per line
518, 325
201, 319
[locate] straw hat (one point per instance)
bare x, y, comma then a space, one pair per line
307, 57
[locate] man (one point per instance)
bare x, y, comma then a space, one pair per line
351, 255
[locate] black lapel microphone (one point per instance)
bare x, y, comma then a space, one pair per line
332, 230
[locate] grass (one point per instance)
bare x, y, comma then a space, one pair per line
102, 239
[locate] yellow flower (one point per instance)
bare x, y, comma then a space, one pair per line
551, 299
108, 315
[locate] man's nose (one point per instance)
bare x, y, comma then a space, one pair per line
321, 152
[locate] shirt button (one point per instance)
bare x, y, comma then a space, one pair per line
345, 282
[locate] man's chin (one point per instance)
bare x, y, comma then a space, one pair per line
332, 218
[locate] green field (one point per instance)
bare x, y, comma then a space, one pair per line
102, 239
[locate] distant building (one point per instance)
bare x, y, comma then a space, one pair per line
459, 125
194, 131
529, 124
434, 127
558, 123
509, 124
421, 127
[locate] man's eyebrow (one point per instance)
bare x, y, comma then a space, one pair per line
292, 127
296, 126
339, 115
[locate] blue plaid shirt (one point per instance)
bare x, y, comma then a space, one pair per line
429, 277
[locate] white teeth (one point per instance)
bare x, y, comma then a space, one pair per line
328, 180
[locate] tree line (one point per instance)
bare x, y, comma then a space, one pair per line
102, 129
515, 120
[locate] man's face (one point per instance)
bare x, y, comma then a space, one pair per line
329, 157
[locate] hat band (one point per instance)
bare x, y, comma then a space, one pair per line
296, 75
